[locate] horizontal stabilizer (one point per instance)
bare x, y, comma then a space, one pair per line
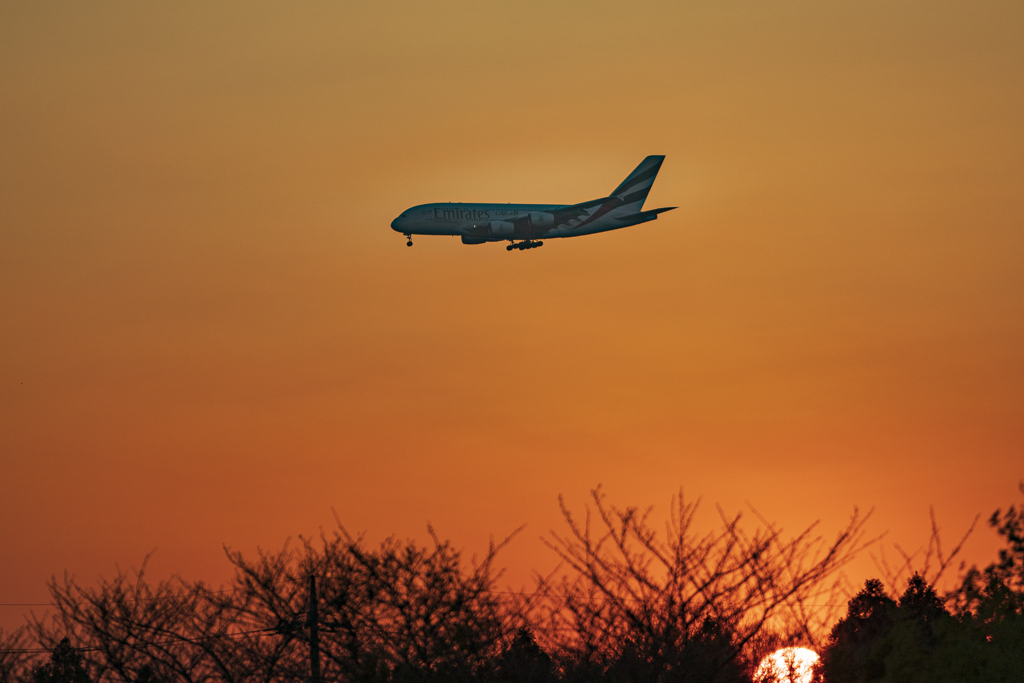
645, 215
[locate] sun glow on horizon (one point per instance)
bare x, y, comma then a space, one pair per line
788, 665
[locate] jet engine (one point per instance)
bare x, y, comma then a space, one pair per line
539, 219
503, 228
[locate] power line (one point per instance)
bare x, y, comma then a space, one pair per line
193, 641
27, 604
86, 602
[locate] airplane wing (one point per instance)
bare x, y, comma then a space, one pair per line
563, 215
580, 212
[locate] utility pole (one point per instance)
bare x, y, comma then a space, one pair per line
313, 622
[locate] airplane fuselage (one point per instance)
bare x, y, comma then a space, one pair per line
525, 221
530, 223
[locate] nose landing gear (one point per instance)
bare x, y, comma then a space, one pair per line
409, 243
528, 244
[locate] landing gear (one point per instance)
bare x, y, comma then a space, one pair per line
528, 244
409, 243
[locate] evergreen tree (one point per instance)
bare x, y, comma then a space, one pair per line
65, 666
858, 646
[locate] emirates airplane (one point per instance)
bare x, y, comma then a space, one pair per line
530, 223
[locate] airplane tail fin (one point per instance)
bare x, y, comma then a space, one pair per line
634, 189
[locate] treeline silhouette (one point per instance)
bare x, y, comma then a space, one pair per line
627, 603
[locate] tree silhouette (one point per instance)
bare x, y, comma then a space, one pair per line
396, 612
14, 655
857, 650
996, 593
524, 660
686, 606
917, 640
632, 605
65, 666
130, 629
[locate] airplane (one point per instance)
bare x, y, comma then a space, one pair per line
532, 223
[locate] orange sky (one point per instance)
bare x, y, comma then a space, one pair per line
209, 333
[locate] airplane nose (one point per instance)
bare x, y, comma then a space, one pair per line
396, 224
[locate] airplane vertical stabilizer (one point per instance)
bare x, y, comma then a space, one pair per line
634, 189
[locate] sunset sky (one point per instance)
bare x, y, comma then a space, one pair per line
210, 335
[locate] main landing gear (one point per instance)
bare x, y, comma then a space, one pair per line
528, 244
409, 243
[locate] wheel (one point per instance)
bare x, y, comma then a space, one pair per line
510, 247
409, 243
